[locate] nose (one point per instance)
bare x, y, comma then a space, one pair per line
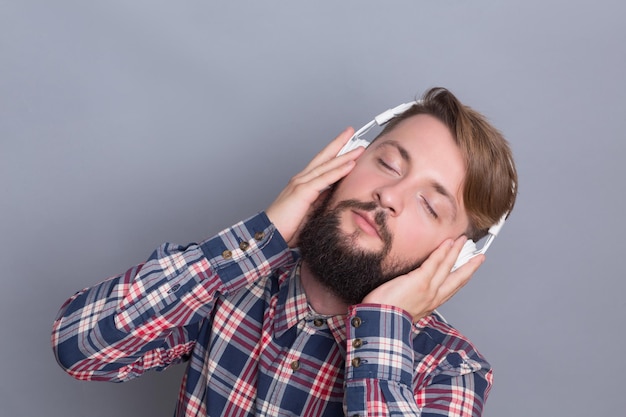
391, 198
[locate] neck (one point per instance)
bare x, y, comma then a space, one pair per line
320, 298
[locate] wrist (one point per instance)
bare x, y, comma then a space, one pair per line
379, 343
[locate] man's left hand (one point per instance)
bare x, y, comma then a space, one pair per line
424, 289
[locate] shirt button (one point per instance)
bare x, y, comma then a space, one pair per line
357, 343
259, 235
295, 365
227, 254
244, 245
318, 322
356, 362
356, 321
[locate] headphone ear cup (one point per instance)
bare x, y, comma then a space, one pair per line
353, 143
468, 248
467, 252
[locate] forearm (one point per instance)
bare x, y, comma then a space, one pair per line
379, 362
149, 316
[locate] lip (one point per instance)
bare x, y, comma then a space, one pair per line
366, 222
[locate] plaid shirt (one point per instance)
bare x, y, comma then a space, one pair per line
234, 309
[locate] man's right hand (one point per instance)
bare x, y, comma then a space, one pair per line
293, 205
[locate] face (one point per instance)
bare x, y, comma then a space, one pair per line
399, 203
415, 174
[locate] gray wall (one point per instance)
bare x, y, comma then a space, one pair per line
124, 124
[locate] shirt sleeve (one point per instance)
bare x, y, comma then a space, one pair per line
386, 375
149, 317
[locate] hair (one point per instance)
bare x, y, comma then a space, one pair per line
490, 186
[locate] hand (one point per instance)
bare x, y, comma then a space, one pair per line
424, 289
292, 206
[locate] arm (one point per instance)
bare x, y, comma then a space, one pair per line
385, 377
148, 317
392, 371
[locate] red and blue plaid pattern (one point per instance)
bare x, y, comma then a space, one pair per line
234, 309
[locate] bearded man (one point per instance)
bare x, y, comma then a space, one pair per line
323, 304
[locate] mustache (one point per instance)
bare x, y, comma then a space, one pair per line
380, 215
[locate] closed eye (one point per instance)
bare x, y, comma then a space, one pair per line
386, 166
429, 208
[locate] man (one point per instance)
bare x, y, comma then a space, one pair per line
345, 324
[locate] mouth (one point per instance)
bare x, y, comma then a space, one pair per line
365, 221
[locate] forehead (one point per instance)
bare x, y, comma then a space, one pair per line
424, 134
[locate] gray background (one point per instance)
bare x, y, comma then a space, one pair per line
124, 124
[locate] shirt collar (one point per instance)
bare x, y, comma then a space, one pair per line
293, 307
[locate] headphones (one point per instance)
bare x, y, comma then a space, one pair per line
470, 249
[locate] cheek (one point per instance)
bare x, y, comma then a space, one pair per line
413, 240
356, 183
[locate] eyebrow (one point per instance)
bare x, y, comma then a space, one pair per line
404, 154
437, 186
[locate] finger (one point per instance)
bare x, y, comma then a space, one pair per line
438, 265
453, 254
330, 151
445, 267
459, 278
320, 180
432, 264
332, 164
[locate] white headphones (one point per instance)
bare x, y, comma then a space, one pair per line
469, 249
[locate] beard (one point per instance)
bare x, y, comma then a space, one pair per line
335, 258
